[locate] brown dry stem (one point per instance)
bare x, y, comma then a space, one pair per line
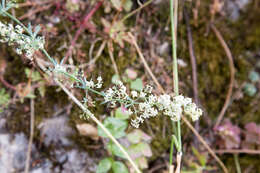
232, 74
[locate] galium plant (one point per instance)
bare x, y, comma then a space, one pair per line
143, 104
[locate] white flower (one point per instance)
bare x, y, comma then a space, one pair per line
148, 89
142, 94
193, 111
135, 123
173, 107
129, 111
23, 43
19, 29
99, 79
100, 82
134, 94
90, 84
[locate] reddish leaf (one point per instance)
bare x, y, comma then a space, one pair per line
230, 134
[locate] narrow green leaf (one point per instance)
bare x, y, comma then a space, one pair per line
36, 30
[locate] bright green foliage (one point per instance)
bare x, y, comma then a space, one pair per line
139, 148
114, 150
115, 126
137, 84
105, 165
121, 114
115, 78
119, 167
134, 137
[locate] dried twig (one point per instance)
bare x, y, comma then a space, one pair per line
6, 84
192, 59
28, 155
232, 74
193, 66
178, 160
205, 144
111, 55
81, 28
237, 151
30, 3
145, 63
157, 167
37, 10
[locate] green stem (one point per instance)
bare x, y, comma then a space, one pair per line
171, 151
173, 17
237, 163
17, 21
174, 51
48, 56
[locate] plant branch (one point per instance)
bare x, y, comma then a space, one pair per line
205, 144
237, 151
82, 27
135, 11
232, 74
28, 155
237, 163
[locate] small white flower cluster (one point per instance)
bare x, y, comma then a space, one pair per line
146, 105
91, 84
116, 94
24, 43
173, 107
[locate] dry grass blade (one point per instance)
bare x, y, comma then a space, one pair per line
205, 144
237, 151
111, 55
145, 63
232, 74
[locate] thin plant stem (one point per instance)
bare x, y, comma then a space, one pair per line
135, 11
174, 51
171, 151
28, 154
173, 16
237, 163
17, 21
